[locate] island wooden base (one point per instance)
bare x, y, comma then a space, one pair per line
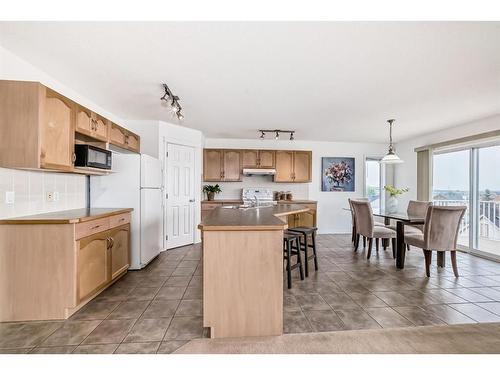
243, 282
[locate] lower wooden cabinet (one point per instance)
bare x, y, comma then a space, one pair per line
93, 264
51, 270
120, 250
102, 257
304, 219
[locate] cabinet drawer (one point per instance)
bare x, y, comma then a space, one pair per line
90, 227
118, 220
210, 206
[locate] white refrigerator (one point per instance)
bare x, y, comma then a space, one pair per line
136, 182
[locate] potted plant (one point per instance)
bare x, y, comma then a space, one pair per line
392, 202
211, 190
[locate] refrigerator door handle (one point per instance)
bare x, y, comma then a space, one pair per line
191, 200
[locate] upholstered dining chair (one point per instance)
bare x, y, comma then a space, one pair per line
440, 234
365, 226
417, 209
353, 219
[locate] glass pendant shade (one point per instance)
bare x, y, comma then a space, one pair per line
391, 157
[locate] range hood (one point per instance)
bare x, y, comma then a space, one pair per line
259, 172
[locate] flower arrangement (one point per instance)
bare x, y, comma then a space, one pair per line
395, 192
339, 173
211, 190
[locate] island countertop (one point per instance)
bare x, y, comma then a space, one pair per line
66, 217
262, 218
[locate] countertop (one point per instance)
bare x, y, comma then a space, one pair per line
229, 201
66, 217
263, 218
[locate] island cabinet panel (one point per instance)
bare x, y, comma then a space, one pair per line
284, 166
242, 298
119, 249
93, 264
232, 165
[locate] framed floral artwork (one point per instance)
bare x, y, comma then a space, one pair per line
337, 174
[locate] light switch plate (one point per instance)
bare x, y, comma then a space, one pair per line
10, 197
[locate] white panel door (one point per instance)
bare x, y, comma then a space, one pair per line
180, 195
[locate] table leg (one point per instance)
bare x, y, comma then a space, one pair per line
387, 221
400, 244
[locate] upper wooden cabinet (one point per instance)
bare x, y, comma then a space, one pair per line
227, 164
91, 124
293, 166
56, 130
258, 158
38, 127
221, 165
123, 138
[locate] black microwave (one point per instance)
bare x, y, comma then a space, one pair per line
91, 156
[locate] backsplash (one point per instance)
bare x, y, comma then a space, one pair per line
232, 190
31, 188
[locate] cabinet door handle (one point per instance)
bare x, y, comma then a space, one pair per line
95, 226
112, 242
73, 158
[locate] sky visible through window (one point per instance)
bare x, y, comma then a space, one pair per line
451, 170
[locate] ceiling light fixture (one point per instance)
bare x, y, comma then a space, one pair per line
173, 101
391, 157
276, 133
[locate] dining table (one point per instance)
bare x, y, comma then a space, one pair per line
402, 219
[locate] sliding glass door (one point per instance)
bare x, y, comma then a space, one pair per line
451, 186
487, 238
471, 177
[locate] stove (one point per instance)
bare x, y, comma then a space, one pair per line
258, 197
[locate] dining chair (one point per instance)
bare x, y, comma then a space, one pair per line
365, 226
440, 234
353, 219
416, 209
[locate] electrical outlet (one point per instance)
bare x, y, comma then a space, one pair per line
50, 196
10, 197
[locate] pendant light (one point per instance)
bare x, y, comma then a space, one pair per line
391, 157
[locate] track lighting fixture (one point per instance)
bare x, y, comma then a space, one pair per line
276, 133
173, 101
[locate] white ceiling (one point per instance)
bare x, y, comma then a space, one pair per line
336, 81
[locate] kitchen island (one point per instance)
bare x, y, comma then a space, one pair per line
243, 270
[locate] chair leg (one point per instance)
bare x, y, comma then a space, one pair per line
407, 247
288, 265
428, 258
454, 262
353, 237
370, 242
440, 259
364, 242
393, 243
299, 259
385, 243
376, 243
306, 256
356, 243
313, 238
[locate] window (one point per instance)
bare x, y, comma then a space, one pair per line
374, 182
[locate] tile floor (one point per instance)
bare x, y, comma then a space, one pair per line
158, 309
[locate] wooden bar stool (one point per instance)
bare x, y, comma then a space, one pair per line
305, 232
291, 246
